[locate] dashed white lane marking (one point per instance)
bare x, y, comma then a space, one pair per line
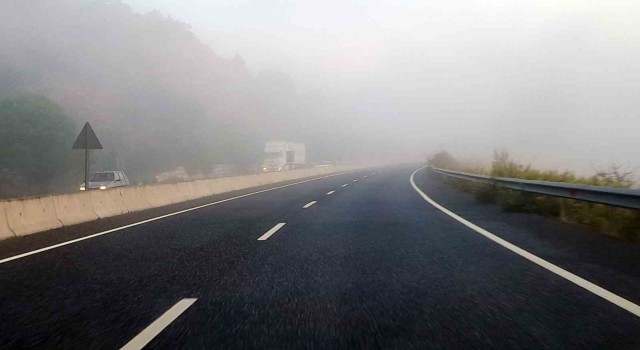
330, 192
15, 257
345, 185
273, 230
309, 204
595, 289
364, 177
356, 180
158, 325
373, 173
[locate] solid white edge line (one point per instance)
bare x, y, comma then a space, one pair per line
595, 289
331, 192
309, 204
15, 257
147, 335
273, 230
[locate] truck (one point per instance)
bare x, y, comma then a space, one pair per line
284, 155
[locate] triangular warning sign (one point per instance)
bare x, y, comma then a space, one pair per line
87, 139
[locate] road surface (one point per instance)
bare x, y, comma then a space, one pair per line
358, 260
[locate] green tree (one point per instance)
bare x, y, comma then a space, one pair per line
35, 136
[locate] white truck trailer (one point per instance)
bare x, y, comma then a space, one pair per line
283, 155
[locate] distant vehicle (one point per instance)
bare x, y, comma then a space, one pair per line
106, 179
283, 155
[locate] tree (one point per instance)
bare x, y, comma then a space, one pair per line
442, 159
34, 138
616, 175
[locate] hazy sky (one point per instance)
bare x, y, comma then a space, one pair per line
555, 82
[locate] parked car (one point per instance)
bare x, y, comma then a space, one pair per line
103, 180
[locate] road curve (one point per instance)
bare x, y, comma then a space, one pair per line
368, 265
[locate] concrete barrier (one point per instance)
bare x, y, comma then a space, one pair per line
229, 184
162, 194
108, 203
26, 216
201, 188
74, 208
153, 195
242, 182
5, 231
188, 190
293, 175
33, 215
133, 199
219, 185
174, 195
270, 178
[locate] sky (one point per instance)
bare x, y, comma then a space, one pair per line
555, 82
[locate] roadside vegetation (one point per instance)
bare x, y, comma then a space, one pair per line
160, 100
35, 147
618, 222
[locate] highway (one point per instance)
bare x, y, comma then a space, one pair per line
356, 260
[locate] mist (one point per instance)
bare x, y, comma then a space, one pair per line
196, 83
554, 82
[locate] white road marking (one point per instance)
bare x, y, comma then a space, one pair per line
158, 325
595, 289
15, 257
309, 204
356, 180
273, 230
345, 185
364, 177
330, 192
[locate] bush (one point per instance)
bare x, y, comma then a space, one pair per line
620, 222
442, 159
487, 194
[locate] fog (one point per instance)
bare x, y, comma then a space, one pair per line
554, 82
196, 82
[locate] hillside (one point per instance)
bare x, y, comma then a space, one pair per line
156, 95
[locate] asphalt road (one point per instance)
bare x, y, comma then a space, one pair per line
371, 265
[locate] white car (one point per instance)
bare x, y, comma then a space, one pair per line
106, 179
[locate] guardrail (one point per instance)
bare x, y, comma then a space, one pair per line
619, 197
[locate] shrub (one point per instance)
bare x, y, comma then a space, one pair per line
620, 222
487, 194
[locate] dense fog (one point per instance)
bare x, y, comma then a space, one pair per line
196, 84
555, 82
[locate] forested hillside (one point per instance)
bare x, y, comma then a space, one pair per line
157, 97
